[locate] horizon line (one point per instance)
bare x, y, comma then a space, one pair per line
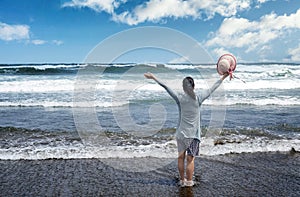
140, 63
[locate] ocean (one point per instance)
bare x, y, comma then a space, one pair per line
111, 111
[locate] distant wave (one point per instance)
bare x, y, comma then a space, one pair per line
48, 69
38, 69
44, 69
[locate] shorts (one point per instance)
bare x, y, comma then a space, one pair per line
190, 145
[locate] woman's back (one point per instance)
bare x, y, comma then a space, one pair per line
189, 120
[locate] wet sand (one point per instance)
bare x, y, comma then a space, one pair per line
256, 174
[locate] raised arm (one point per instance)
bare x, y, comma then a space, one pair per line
206, 93
170, 92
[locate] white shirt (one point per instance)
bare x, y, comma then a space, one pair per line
189, 111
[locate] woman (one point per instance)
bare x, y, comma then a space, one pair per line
188, 128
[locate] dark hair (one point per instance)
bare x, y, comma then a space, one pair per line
188, 86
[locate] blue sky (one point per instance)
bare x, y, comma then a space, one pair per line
65, 31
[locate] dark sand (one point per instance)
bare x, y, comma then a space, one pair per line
257, 174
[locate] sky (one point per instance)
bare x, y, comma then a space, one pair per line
66, 31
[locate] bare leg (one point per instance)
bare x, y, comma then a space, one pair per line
181, 157
190, 167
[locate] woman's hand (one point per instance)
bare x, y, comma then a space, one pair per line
149, 75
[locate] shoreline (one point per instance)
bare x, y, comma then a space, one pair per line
246, 174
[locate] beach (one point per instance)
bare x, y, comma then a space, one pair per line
251, 174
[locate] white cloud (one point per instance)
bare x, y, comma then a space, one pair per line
38, 42
41, 42
97, 5
155, 10
57, 42
158, 10
241, 32
220, 51
22, 32
13, 32
295, 54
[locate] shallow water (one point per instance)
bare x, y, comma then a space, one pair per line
55, 135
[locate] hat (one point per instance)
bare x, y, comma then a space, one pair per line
226, 64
